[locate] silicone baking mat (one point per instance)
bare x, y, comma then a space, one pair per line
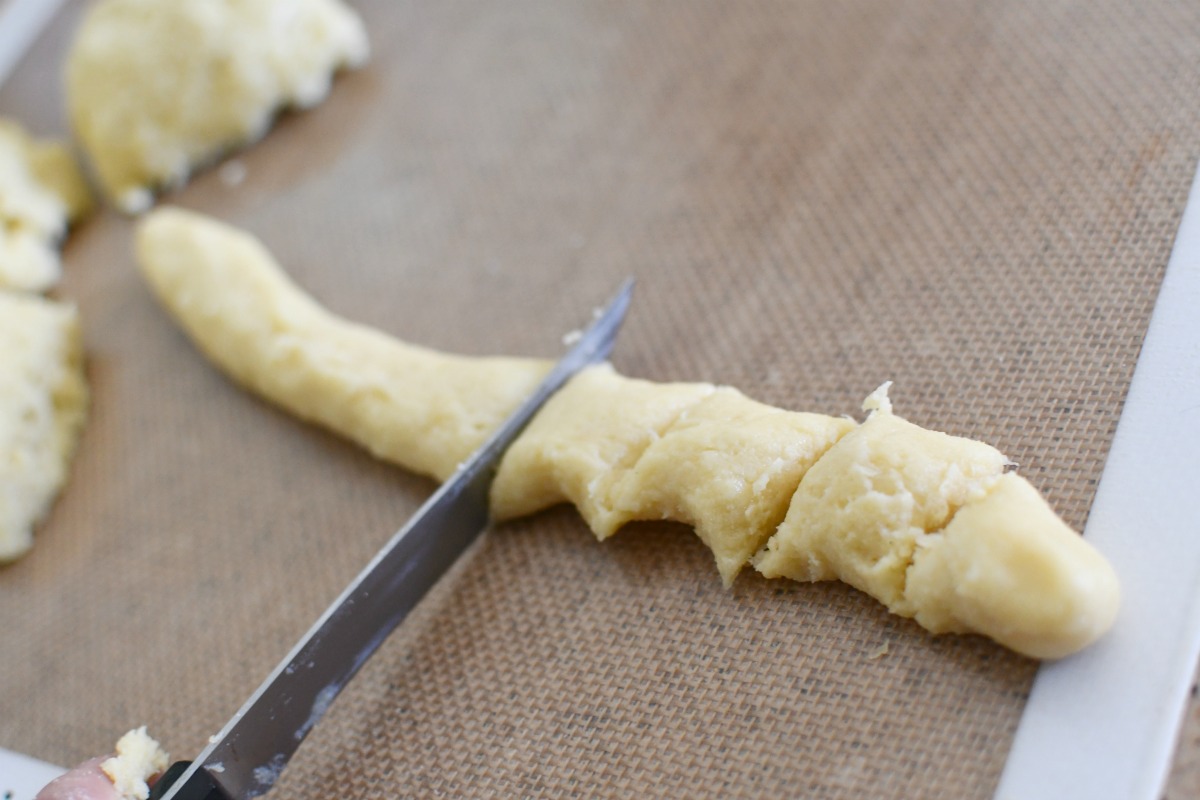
976, 201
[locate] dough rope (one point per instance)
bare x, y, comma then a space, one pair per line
931, 525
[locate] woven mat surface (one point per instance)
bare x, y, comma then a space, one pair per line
974, 200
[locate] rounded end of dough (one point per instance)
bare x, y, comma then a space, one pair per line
15, 542
1007, 567
164, 235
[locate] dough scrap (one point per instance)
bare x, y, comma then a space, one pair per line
155, 89
42, 190
931, 525
139, 758
43, 402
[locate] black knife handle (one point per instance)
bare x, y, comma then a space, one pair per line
199, 787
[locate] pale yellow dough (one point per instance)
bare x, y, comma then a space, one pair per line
155, 89
622, 449
139, 758
424, 410
931, 525
41, 191
43, 394
43, 401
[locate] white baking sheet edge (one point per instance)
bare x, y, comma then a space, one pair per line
22, 777
1103, 724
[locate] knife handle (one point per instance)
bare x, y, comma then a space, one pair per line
199, 787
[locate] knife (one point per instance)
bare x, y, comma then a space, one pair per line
246, 758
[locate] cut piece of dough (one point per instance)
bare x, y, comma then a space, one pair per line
727, 467
41, 191
860, 514
43, 401
155, 89
584, 442
421, 409
622, 449
929, 524
932, 526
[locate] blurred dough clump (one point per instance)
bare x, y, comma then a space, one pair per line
43, 399
43, 392
41, 192
155, 89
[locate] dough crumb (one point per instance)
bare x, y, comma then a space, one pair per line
232, 172
878, 652
139, 758
878, 400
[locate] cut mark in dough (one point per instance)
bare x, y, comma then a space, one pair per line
727, 467
862, 512
584, 441
622, 449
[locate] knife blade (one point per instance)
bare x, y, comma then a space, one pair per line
246, 758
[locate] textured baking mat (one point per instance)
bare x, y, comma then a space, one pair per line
975, 201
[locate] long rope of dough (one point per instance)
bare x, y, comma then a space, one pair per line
933, 526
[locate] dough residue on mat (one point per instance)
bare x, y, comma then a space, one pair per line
929, 524
155, 89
